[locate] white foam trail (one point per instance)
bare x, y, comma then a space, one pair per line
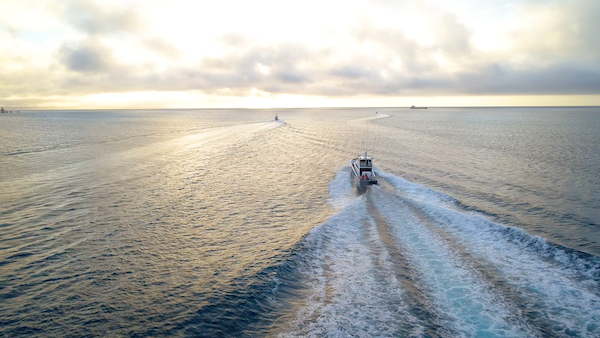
416, 191
341, 189
567, 297
240, 131
471, 306
219, 136
372, 117
389, 277
348, 295
562, 287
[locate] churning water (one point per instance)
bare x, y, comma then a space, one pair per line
486, 223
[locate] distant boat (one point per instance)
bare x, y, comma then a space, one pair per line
413, 107
362, 170
276, 117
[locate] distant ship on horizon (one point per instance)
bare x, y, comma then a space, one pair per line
413, 107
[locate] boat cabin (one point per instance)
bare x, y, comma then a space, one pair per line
365, 167
365, 162
362, 167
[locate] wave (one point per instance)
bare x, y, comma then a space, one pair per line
348, 294
417, 191
561, 285
34, 150
469, 305
351, 283
476, 277
202, 133
340, 189
444, 205
369, 118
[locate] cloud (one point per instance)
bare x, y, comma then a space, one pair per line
453, 37
94, 18
351, 72
563, 79
233, 39
88, 57
161, 46
553, 49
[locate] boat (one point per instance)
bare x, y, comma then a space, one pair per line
276, 117
413, 107
362, 170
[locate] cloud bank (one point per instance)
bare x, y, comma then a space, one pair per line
338, 49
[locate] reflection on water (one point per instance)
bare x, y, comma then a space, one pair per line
218, 222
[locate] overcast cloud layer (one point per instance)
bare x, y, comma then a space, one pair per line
55, 52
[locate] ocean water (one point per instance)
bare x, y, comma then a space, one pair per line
225, 223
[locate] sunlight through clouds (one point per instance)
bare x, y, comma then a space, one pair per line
102, 53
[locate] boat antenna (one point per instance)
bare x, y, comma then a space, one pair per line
367, 138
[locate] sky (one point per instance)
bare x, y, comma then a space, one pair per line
311, 53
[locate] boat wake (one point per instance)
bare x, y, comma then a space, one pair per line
404, 260
362, 120
351, 283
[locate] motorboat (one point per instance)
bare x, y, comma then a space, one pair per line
413, 107
362, 170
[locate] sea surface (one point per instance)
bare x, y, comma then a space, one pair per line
226, 223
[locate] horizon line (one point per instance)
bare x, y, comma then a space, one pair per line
323, 107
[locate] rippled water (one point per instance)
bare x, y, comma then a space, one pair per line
227, 223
